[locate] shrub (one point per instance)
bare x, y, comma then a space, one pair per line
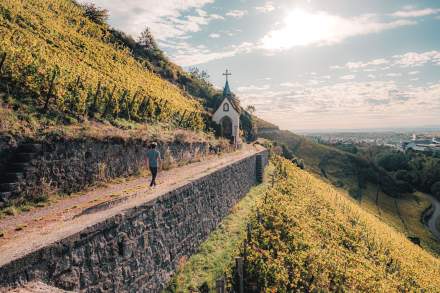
392, 161
95, 13
404, 175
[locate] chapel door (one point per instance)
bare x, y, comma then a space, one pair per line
226, 124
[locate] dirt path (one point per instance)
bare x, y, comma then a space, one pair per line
432, 223
37, 228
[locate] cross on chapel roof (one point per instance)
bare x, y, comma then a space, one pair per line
227, 90
227, 73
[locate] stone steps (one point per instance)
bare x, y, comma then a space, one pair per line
4, 197
29, 148
11, 177
17, 167
10, 186
24, 157
20, 162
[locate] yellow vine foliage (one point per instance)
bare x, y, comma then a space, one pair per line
307, 237
40, 36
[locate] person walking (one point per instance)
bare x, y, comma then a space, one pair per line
154, 161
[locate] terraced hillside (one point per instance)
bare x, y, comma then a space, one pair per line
307, 236
356, 177
55, 60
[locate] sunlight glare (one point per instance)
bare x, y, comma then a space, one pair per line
302, 28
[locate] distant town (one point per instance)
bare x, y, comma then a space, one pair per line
418, 141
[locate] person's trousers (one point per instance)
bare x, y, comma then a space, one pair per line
153, 171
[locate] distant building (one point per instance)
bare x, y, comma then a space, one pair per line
227, 115
421, 145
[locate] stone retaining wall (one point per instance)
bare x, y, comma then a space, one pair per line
67, 166
138, 250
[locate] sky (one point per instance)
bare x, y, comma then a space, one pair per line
306, 64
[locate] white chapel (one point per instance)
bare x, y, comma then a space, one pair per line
227, 114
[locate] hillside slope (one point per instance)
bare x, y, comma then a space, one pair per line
307, 236
341, 168
56, 60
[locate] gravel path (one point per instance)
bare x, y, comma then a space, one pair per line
37, 228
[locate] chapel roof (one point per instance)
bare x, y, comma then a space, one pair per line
231, 97
227, 90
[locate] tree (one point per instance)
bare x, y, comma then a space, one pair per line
435, 189
392, 161
197, 73
94, 13
146, 39
404, 175
250, 109
286, 152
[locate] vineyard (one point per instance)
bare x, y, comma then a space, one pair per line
55, 60
306, 236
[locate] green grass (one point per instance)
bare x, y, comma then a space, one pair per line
216, 254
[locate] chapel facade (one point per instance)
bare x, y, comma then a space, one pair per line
227, 114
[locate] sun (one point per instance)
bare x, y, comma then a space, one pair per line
302, 28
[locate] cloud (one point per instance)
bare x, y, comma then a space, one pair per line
266, 8
410, 59
214, 36
377, 102
165, 18
411, 13
348, 77
372, 76
362, 104
187, 55
413, 72
290, 84
237, 13
359, 65
393, 74
303, 28
413, 59
253, 88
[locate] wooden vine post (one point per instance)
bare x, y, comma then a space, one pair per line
2, 61
188, 121
143, 108
130, 109
109, 102
127, 106
49, 91
95, 100
239, 270
220, 285
182, 118
157, 112
122, 99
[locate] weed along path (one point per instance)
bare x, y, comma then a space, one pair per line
29, 231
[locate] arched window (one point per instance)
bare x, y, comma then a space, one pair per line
226, 107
